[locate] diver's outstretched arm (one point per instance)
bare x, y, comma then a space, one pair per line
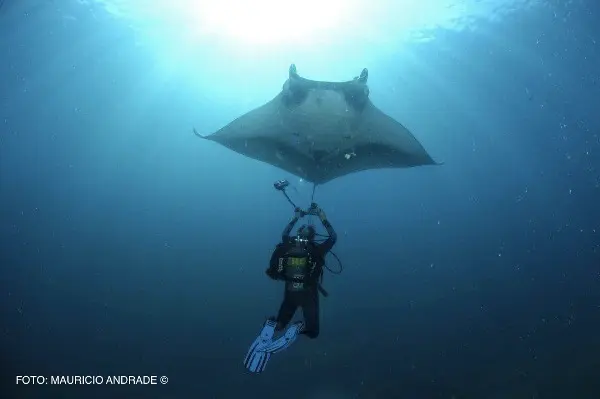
331, 240
285, 236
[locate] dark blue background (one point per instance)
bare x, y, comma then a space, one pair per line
130, 247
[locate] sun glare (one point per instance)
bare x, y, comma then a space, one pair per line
268, 22
248, 26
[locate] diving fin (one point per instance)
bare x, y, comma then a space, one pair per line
256, 359
285, 340
256, 362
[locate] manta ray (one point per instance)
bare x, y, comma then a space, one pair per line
320, 131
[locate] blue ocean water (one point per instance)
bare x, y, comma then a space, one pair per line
130, 247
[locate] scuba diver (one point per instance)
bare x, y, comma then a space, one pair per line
299, 262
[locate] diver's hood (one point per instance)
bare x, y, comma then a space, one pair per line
306, 232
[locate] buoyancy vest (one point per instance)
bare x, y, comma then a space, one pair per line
298, 267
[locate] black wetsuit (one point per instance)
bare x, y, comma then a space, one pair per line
304, 294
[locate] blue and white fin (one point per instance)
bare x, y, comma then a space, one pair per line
285, 340
256, 362
256, 359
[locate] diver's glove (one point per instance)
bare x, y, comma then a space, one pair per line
317, 211
299, 213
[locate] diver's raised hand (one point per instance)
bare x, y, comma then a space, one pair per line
317, 211
299, 213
